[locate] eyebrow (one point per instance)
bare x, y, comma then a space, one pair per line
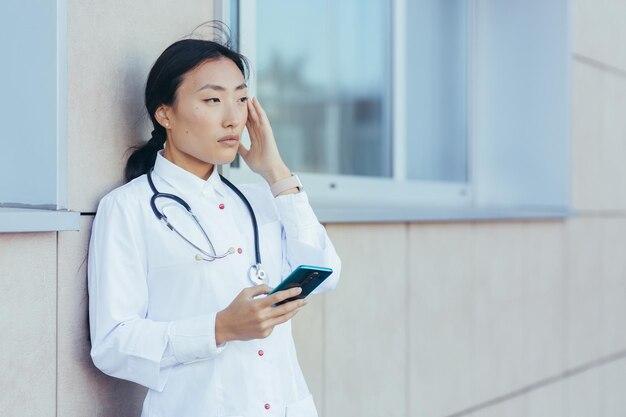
220, 88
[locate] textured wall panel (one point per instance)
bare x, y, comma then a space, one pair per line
584, 395
487, 312
548, 401
112, 46
516, 407
599, 31
440, 318
499, 344
613, 263
586, 336
545, 308
598, 132
28, 324
366, 322
588, 86
613, 380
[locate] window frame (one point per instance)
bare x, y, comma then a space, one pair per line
340, 198
17, 217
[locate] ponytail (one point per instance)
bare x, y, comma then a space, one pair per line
142, 159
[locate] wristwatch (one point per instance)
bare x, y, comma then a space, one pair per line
286, 184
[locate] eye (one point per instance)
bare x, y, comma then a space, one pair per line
243, 99
212, 100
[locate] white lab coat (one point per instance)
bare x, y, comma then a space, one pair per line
152, 305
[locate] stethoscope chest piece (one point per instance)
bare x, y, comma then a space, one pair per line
257, 274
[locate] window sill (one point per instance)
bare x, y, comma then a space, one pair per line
438, 214
19, 220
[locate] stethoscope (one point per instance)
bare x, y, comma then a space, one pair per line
255, 273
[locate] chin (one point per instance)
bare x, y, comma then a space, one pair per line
224, 159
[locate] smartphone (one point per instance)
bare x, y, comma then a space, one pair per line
305, 276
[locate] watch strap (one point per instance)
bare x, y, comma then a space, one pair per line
286, 184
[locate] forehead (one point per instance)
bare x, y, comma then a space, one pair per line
220, 71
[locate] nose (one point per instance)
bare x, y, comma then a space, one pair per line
233, 115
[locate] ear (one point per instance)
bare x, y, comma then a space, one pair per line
162, 116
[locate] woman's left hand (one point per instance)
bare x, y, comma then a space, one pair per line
263, 156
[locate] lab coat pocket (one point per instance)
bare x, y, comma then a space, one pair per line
302, 408
271, 251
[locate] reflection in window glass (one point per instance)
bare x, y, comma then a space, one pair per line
437, 90
28, 161
323, 76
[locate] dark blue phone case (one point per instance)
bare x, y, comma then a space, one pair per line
305, 276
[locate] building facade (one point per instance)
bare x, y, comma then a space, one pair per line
431, 319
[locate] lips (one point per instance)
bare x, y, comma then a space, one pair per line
228, 139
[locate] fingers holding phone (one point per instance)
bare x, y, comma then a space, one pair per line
249, 316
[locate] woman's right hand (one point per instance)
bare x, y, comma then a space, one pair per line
247, 318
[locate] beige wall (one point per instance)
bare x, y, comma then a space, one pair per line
28, 306
430, 318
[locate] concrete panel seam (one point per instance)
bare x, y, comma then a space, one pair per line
618, 72
56, 336
577, 370
407, 329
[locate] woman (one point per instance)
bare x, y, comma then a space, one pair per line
184, 318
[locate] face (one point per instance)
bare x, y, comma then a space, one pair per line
205, 123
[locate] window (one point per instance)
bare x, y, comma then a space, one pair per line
329, 115
437, 73
33, 157
411, 110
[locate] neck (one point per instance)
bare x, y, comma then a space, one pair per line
197, 167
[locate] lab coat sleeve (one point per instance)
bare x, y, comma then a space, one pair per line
305, 241
125, 344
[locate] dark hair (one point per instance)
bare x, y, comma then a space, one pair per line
165, 76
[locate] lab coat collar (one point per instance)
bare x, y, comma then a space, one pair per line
185, 181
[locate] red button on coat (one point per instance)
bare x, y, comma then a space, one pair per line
239, 250
221, 206
267, 406
261, 353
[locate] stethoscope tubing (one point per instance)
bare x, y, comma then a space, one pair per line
255, 226
210, 257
